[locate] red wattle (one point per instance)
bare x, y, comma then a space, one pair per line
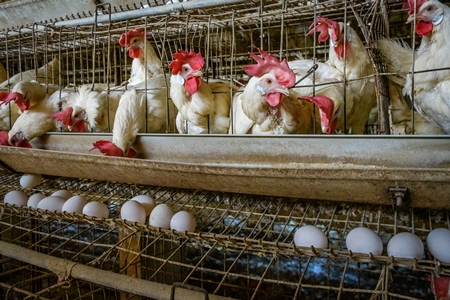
135, 52
424, 28
274, 99
191, 84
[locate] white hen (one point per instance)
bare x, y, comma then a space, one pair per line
204, 106
127, 123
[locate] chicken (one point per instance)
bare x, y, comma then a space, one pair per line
3, 73
27, 93
51, 69
34, 122
266, 106
204, 106
431, 91
325, 89
127, 123
440, 286
145, 60
93, 107
355, 65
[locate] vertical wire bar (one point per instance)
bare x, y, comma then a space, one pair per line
345, 68
413, 65
263, 275
108, 66
146, 42
261, 25
341, 285
164, 54
283, 9
233, 45
20, 53
74, 78
33, 42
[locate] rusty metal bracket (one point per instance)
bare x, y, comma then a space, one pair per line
400, 197
188, 287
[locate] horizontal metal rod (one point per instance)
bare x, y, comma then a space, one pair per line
66, 268
149, 11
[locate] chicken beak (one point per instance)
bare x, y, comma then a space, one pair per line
282, 90
196, 74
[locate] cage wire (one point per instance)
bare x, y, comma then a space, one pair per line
242, 248
224, 35
243, 245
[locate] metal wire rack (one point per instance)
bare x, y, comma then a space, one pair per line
242, 247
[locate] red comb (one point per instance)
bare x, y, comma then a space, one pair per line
268, 63
107, 148
322, 26
63, 116
129, 35
410, 4
195, 60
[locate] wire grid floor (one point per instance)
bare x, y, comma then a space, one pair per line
242, 247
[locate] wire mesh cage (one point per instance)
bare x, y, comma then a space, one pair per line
242, 248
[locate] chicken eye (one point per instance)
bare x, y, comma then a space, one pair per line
429, 8
186, 69
269, 81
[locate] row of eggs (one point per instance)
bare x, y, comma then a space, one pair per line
364, 240
135, 210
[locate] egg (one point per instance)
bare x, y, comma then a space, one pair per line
183, 221
364, 240
148, 202
34, 200
29, 181
438, 242
405, 245
63, 194
18, 198
96, 209
161, 216
307, 236
74, 204
51, 203
133, 211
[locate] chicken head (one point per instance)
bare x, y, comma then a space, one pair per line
329, 115
18, 98
186, 66
19, 140
329, 29
72, 117
274, 77
134, 40
429, 14
110, 149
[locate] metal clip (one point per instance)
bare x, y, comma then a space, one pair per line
187, 287
400, 197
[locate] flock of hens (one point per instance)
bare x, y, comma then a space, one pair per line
278, 98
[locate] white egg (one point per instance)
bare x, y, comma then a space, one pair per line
405, 245
133, 211
18, 198
161, 216
29, 181
63, 194
148, 202
364, 240
96, 209
438, 242
34, 200
307, 236
74, 204
183, 221
51, 203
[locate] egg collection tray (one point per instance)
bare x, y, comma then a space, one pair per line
242, 247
